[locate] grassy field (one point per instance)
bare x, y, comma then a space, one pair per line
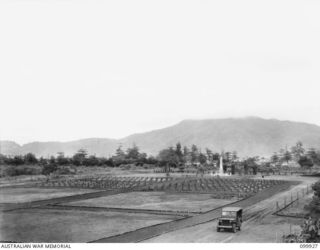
46, 225
157, 201
18, 195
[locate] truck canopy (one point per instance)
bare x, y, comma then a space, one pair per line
231, 209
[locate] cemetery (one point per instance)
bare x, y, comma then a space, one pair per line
219, 187
126, 207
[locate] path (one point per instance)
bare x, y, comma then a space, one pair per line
125, 210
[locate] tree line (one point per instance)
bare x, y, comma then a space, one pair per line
81, 158
297, 153
177, 156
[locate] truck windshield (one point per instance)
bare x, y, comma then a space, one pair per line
229, 214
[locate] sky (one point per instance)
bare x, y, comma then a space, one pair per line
80, 69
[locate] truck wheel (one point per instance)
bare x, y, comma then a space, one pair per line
234, 228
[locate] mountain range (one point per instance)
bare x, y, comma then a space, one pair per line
248, 136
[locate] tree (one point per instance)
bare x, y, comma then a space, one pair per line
49, 168
202, 159
168, 157
179, 153
228, 156
287, 156
3, 159
120, 154
43, 161
314, 155
245, 167
209, 155
251, 164
215, 157
314, 205
119, 151
297, 151
318, 158
30, 159
82, 152
143, 157
275, 158
151, 160
234, 156
132, 153
52, 160
106, 162
281, 155
233, 169
61, 159
316, 189
305, 161
17, 160
194, 154
186, 155
92, 160
79, 158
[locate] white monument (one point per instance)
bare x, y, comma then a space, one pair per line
220, 172
221, 166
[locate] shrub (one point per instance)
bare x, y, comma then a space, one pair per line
49, 168
64, 171
10, 171
21, 170
309, 233
305, 161
314, 205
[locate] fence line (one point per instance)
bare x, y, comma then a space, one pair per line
289, 202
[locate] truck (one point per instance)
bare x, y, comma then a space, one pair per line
231, 219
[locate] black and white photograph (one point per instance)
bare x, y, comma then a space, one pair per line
147, 121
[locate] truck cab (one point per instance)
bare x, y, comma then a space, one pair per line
231, 219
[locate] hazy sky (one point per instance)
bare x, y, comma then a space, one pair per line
77, 69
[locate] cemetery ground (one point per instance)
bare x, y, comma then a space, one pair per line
156, 201
20, 194
141, 206
56, 225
